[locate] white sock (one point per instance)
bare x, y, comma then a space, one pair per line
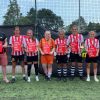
29, 78
88, 76
37, 78
13, 76
49, 75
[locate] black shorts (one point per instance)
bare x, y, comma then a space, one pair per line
18, 58
75, 58
91, 59
32, 58
61, 58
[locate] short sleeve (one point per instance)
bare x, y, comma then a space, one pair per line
10, 40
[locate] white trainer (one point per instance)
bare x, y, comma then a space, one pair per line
37, 78
29, 80
96, 79
88, 79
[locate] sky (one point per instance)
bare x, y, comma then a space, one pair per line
67, 9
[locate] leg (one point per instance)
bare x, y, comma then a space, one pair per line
23, 68
4, 63
80, 70
29, 70
36, 70
44, 66
65, 70
88, 71
49, 70
13, 69
73, 64
95, 72
59, 71
73, 69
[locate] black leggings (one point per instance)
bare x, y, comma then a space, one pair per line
29, 69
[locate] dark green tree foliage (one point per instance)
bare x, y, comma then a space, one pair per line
93, 26
45, 18
83, 24
49, 20
13, 14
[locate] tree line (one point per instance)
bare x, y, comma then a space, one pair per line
45, 18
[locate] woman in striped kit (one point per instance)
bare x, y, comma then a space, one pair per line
92, 49
61, 57
31, 49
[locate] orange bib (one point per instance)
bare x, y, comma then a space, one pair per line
46, 47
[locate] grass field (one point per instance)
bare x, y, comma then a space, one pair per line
53, 90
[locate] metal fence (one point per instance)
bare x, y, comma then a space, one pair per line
84, 13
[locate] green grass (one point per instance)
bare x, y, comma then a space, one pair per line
53, 90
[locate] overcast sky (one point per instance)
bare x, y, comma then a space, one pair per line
67, 9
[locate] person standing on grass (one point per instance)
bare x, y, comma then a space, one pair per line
47, 48
74, 41
61, 54
92, 49
31, 48
16, 42
3, 55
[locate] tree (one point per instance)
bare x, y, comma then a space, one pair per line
49, 20
13, 14
82, 24
93, 26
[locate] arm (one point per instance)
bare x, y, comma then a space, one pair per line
97, 48
40, 47
53, 49
5, 44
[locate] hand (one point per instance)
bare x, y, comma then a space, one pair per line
26, 50
5, 46
80, 54
51, 53
97, 55
42, 53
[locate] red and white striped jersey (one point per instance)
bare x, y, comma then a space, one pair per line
17, 45
91, 46
75, 42
61, 46
31, 46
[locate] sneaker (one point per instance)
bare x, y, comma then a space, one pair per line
24, 78
46, 77
49, 79
88, 79
13, 80
37, 78
96, 79
29, 80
